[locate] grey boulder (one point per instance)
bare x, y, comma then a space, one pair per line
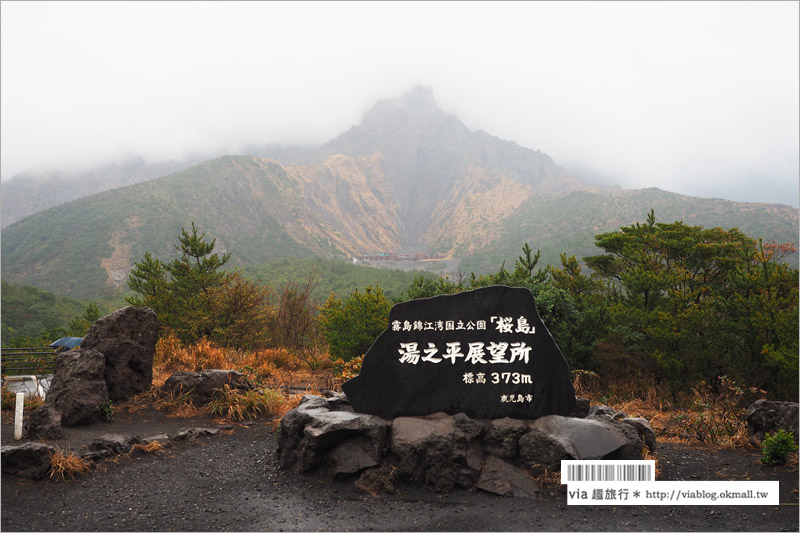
127, 338
44, 423
594, 437
31, 460
202, 385
438, 451
765, 417
499, 477
78, 390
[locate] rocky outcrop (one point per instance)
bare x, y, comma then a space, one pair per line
499, 477
595, 437
765, 417
44, 423
539, 452
109, 445
644, 429
78, 390
314, 428
127, 339
31, 460
437, 451
202, 385
443, 452
375, 481
582, 406
115, 362
502, 437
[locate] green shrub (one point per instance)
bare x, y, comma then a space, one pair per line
776, 447
107, 410
350, 326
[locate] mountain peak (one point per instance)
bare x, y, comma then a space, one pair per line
416, 102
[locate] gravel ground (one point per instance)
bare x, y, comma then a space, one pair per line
231, 482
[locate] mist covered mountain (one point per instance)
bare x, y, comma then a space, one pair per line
36, 190
408, 178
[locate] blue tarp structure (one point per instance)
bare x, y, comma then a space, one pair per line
67, 342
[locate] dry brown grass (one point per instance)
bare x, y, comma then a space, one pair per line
172, 356
650, 455
236, 405
154, 447
709, 416
549, 481
64, 466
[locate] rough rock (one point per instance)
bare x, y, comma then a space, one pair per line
338, 402
310, 431
595, 437
192, 433
502, 437
538, 452
472, 429
44, 423
644, 429
499, 477
161, 438
764, 417
434, 451
127, 338
377, 480
326, 430
109, 445
78, 390
202, 385
601, 409
293, 423
30, 460
582, 406
353, 456
441, 451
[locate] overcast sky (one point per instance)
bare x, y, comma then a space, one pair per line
696, 98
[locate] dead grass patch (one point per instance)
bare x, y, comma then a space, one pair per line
65, 465
649, 455
234, 404
549, 481
154, 447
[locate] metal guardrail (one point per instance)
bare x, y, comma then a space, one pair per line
37, 361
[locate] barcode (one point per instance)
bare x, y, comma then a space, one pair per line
576, 471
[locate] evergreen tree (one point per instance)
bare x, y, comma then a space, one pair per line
701, 303
181, 292
193, 277
80, 325
148, 278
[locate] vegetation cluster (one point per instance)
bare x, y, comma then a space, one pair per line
699, 322
666, 306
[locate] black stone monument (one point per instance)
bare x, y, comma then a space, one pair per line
485, 353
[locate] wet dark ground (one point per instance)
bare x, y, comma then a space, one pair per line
231, 482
